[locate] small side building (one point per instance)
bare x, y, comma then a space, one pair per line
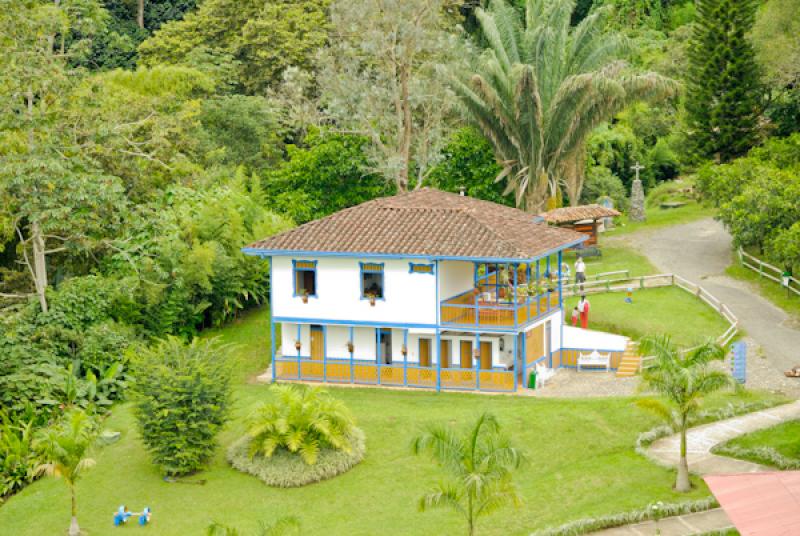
583, 219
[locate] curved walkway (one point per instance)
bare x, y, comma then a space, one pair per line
700, 251
699, 441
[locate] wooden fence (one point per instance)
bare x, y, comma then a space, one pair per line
767, 270
660, 280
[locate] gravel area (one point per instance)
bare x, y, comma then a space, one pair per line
569, 383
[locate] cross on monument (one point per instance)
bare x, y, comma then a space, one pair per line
637, 167
637, 196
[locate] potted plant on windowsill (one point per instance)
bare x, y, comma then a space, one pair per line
304, 296
371, 297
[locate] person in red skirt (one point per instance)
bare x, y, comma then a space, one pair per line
575, 315
583, 308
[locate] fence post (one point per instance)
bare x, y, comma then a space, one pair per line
641, 282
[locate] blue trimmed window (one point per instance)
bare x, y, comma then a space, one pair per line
305, 278
372, 281
414, 268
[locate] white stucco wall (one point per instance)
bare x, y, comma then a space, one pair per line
409, 297
455, 277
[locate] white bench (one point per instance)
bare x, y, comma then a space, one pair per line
594, 360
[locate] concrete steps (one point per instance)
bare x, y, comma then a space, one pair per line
631, 360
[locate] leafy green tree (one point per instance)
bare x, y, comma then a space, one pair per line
264, 37
378, 79
784, 248
65, 448
540, 89
683, 379
182, 397
300, 420
722, 86
328, 173
479, 463
468, 162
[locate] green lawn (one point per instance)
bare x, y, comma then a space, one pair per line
614, 258
581, 463
667, 310
659, 217
784, 438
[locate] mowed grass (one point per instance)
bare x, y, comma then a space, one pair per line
667, 310
581, 462
784, 438
614, 258
660, 217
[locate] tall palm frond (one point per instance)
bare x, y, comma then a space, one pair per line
479, 462
542, 86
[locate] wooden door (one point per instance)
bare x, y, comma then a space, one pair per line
534, 344
486, 355
444, 353
317, 343
466, 354
424, 352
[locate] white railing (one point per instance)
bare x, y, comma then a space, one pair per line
767, 270
660, 280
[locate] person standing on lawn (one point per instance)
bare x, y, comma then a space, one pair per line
580, 270
575, 315
583, 308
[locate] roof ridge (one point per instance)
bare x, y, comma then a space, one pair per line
491, 230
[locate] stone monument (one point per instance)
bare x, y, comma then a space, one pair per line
637, 197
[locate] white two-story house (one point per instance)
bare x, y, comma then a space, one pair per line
425, 289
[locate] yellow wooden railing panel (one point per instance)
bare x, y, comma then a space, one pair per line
391, 375
497, 380
365, 373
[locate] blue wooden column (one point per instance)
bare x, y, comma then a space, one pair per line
378, 353
405, 358
324, 353
514, 293
438, 360
477, 362
299, 364
353, 342
272, 345
560, 294
516, 361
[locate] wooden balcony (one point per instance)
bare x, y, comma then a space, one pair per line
492, 309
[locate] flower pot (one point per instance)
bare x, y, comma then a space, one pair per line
305, 298
297, 345
350, 347
372, 301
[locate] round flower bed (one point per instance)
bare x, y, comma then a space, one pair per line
286, 470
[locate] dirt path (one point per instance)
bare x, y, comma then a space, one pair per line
700, 251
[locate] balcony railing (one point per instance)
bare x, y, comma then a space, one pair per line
483, 307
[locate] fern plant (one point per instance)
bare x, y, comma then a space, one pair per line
301, 420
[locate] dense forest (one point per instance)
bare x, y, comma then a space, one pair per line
144, 142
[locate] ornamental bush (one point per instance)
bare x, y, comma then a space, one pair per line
182, 397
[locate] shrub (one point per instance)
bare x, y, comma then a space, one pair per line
182, 398
286, 470
601, 182
18, 460
301, 420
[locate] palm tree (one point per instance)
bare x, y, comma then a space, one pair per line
480, 462
542, 86
301, 420
65, 446
683, 378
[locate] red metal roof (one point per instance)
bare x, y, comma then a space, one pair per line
760, 504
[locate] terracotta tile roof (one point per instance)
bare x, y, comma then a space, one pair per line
425, 222
583, 212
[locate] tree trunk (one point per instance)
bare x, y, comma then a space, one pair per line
683, 484
140, 14
74, 529
39, 265
405, 143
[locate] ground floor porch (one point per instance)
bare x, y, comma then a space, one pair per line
434, 358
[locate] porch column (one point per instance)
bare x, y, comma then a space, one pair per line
560, 275
299, 347
438, 360
325, 353
353, 346
476, 296
405, 358
477, 362
516, 362
378, 354
272, 326
515, 267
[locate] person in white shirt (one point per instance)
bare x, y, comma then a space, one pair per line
580, 270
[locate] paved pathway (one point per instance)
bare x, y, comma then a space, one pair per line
700, 441
700, 251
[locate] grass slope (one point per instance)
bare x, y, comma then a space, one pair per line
667, 310
767, 288
582, 463
784, 438
659, 217
614, 258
